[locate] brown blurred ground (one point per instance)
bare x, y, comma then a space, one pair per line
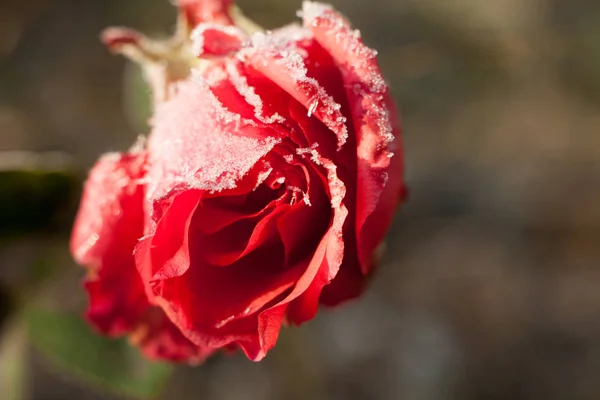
490, 287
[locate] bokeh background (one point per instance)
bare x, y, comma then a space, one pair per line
490, 284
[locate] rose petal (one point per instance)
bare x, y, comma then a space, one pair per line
262, 94
215, 218
160, 339
109, 222
208, 303
168, 246
217, 40
269, 325
110, 216
197, 11
283, 62
225, 160
303, 226
265, 101
117, 299
350, 282
379, 175
305, 302
225, 146
228, 246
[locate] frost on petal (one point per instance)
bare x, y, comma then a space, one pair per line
312, 10
198, 143
282, 61
211, 39
379, 177
240, 82
110, 214
109, 223
351, 51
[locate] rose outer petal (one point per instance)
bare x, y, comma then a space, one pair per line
110, 219
106, 229
109, 222
280, 59
379, 180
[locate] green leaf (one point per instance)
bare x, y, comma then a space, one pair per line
69, 342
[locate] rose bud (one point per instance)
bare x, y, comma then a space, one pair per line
271, 174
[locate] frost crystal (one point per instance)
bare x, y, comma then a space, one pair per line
240, 83
221, 113
197, 143
312, 107
312, 10
359, 67
262, 177
281, 59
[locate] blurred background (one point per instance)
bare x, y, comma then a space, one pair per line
490, 284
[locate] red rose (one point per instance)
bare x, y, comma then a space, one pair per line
272, 173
